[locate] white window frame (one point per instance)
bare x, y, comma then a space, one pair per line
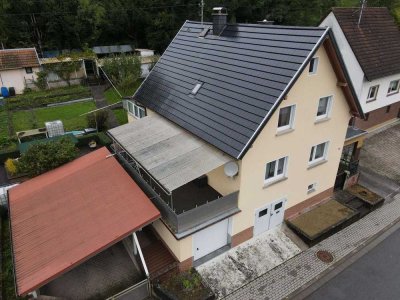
390, 85
134, 110
276, 177
328, 108
318, 160
315, 59
291, 119
376, 87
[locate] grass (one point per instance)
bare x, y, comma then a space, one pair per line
7, 272
3, 124
121, 115
112, 96
68, 114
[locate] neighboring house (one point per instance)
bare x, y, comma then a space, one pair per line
237, 127
18, 68
371, 52
53, 80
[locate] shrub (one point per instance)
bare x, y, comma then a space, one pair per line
41, 81
43, 157
11, 166
98, 120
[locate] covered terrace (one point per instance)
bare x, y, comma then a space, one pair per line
171, 165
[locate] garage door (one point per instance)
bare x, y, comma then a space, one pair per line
210, 239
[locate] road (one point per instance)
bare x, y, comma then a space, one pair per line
376, 275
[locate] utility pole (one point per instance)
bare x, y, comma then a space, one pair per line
202, 10
364, 2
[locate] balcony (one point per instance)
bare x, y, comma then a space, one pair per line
189, 207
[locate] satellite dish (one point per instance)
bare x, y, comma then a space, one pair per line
231, 169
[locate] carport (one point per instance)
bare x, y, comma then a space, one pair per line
78, 217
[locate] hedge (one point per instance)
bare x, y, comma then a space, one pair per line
4, 155
100, 138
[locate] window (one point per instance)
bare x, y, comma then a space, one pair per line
137, 111
387, 109
196, 88
324, 107
394, 87
312, 69
311, 187
276, 170
28, 70
263, 213
372, 93
286, 118
318, 153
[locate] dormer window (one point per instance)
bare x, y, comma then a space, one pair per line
312, 69
196, 88
372, 93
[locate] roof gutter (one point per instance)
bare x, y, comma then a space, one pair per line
283, 94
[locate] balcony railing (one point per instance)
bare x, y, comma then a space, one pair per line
186, 220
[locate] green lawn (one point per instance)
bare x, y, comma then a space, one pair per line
68, 114
112, 96
3, 124
121, 115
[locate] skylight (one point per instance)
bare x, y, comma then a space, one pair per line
196, 88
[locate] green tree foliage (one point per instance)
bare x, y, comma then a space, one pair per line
40, 158
98, 120
123, 70
57, 24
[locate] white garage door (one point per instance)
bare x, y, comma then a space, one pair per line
210, 239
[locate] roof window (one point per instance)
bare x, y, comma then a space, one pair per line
196, 88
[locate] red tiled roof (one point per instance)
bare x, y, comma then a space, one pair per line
375, 42
18, 58
63, 217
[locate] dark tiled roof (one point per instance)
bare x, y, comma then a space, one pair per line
18, 58
376, 42
244, 73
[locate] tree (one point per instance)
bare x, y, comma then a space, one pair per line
40, 158
98, 120
123, 70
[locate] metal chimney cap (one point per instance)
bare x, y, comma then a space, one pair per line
219, 11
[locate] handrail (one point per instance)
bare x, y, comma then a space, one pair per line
129, 289
141, 254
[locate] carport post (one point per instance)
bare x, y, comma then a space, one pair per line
141, 255
134, 245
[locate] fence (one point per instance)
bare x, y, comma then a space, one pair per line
138, 291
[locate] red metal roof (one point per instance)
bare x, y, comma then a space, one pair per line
63, 217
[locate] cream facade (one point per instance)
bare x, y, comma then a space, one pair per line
18, 78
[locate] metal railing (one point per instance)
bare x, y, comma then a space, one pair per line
138, 291
163, 201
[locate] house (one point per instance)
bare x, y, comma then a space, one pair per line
18, 68
369, 43
54, 80
237, 127
73, 231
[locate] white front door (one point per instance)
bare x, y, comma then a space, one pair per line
277, 212
210, 239
261, 221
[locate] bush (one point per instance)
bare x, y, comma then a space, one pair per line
43, 157
100, 138
11, 153
11, 166
98, 120
104, 139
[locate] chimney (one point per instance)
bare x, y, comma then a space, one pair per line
219, 20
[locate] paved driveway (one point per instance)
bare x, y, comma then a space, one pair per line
231, 270
381, 153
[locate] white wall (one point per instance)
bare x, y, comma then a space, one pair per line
16, 78
361, 85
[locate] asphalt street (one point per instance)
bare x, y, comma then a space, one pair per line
376, 275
